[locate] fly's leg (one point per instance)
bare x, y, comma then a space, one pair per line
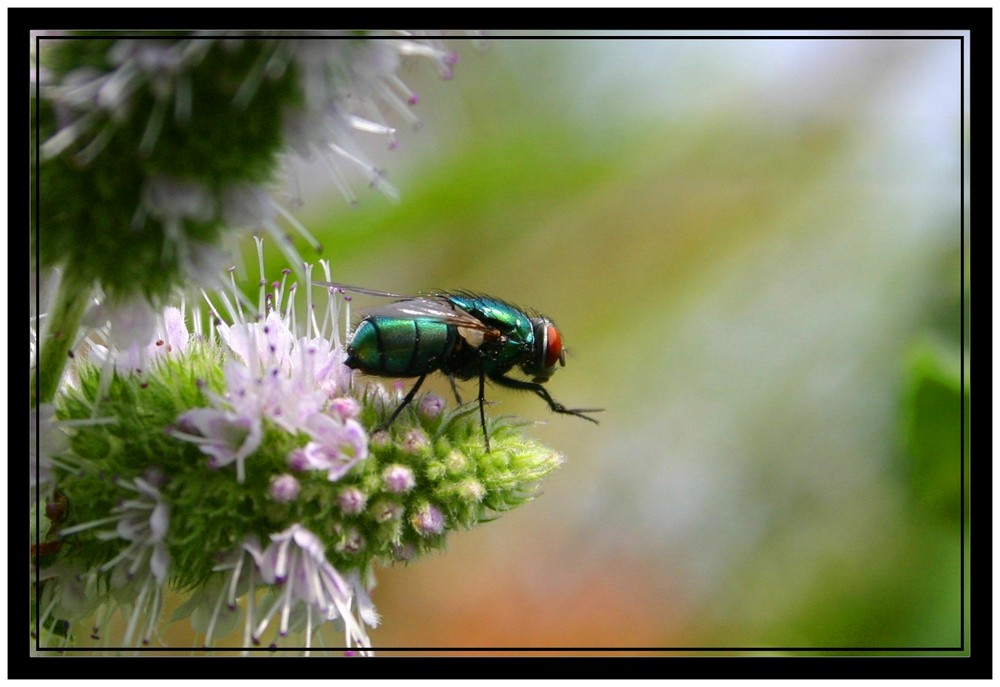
543, 393
406, 402
482, 402
454, 388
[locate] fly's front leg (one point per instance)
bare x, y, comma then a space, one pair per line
543, 393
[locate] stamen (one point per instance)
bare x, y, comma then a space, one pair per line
300, 228
153, 128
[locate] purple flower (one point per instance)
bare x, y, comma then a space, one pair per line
283, 488
398, 479
338, 446
415, 441
428, 520
223, 435
351, 501
345, 407
431, 405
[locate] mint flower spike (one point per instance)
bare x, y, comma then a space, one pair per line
253, 425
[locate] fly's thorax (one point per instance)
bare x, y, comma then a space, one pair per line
511, 322
506, 343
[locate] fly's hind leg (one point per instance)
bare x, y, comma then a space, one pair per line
482, 402
406, 401
454, 389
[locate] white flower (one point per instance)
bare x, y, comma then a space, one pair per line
131, 327
50, 440
345, 86
138, 335
259, 344
280, 377
143, 564
366, 609
326, 363
143, 522
296, 562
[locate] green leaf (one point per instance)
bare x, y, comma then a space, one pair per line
933, 432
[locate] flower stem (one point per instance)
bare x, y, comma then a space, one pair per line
61, 326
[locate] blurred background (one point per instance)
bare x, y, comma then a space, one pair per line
752, 247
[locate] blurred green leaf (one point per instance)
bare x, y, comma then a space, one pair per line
932, 435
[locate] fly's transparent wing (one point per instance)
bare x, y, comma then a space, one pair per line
437, 309
359, 289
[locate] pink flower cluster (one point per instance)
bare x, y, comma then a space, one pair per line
294, 383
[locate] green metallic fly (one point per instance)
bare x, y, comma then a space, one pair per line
461, 334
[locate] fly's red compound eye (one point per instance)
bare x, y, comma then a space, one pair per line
553, 347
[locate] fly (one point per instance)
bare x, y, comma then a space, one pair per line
462, 335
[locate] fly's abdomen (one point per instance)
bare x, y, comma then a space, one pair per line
394, 347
